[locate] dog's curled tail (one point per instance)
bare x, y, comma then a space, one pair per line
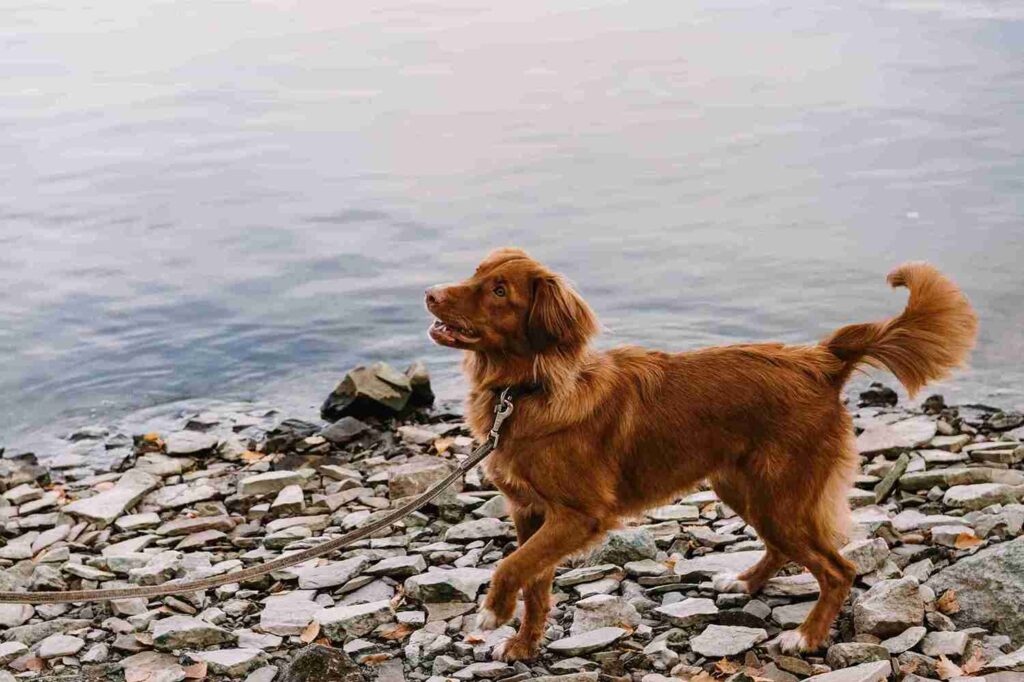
932, 336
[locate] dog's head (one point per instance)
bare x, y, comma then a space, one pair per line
512, 305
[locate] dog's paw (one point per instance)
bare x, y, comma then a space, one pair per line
514, 649
793, 642
487, 619
729, 582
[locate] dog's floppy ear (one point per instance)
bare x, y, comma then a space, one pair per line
559, 317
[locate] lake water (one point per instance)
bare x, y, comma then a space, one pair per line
242, 200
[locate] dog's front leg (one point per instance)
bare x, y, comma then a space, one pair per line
564, 532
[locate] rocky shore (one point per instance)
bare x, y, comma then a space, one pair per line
936, 540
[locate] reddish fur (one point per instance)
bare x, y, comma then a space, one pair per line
614, 433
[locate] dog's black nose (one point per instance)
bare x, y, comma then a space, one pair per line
433, 295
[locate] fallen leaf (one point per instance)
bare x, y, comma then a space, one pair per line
400, 631
374, 659
910, 667
726, 667
251, 456
310, 632
474, 639
34, 664
967, 540
702, 677
975, 663
946, 669
196, 671
151, 437
948, 603
442, 445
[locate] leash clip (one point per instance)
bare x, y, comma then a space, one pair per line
501, 412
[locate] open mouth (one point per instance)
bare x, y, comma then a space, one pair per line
449, 334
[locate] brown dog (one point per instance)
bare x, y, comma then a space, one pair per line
599, 436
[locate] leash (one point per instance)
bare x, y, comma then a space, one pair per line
502, 410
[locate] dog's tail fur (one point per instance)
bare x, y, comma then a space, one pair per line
929, 338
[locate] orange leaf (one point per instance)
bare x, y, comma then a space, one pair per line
946, 669
726, 667
310, 632
374, 659
948, 603
975, 663
967, 540
196, 671
702, 677
400, 631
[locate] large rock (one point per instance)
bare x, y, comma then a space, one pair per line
418, 475
378, 391
876, 671
345, 430
288, 614
441, 585
150, 666
190, 444
321, 663
718, 641
980, 495
603, 610
233, 663
331, 574
710, 565
688, 612
584, 643
623, 546
901, 435
480, 529
340, 622
103, 508
268, 483
989, 588
889, 608
178, 632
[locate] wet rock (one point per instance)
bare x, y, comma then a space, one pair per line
989, 587
190, 444
288, 434
878, 395
419, 381
623, 546
104, 507
321, 663
717, 641
377, 390
889, 608
587, 642
345, 430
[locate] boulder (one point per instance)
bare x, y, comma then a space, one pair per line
321, 663
989, 587
375, 391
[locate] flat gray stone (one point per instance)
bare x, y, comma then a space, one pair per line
710, 565
876, 671
443, 585
585, 643
718, 641
268, 483
688, 612
58, 645
904, 434
179, 632
190, 444
889, 608
331, 574
103, 508
341, 622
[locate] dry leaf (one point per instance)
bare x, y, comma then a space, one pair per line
975, 663
910, 667
151, 437
967, 540
726, 667
251, 456
310, 632
702, 677
400, 631
35, 664
196, 671
374, 659
946, 669
948, 603
442, 445
474, 639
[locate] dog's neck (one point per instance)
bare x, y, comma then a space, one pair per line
550, 372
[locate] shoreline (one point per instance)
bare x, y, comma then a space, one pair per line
937, 540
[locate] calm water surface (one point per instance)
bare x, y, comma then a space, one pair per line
241, 200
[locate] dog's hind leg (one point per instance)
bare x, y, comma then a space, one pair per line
731, 489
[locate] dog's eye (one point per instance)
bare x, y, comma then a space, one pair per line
499, 291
